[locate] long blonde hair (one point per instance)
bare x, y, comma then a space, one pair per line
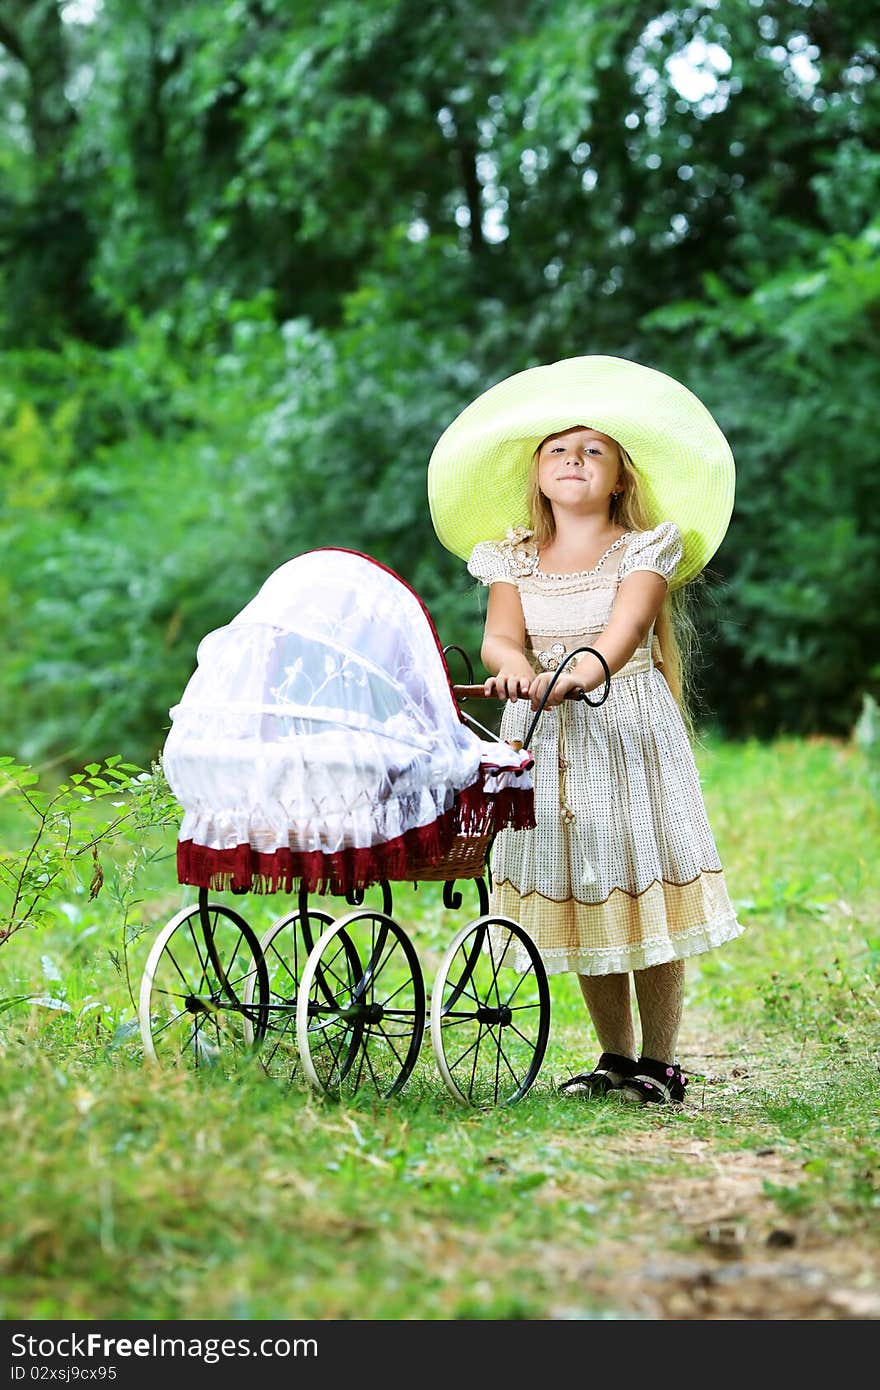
673, 626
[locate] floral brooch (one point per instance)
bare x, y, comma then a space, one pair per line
521, 550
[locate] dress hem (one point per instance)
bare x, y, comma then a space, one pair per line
615, 888
620, 961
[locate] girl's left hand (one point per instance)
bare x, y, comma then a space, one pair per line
563, 687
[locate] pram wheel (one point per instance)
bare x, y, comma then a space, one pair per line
205, 990
285, 947
360, 1013
489, 1029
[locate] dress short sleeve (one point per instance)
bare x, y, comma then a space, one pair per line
658, 550
490, 562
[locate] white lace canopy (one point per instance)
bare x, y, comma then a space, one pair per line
319, 739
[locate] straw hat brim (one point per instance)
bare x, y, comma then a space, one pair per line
479, 470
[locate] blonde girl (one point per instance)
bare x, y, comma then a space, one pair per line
620, 880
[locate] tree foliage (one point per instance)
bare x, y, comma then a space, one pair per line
254, 256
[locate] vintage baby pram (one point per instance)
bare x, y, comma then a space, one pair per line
319, 748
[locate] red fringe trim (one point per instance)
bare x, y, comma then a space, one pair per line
476, 810
244, 869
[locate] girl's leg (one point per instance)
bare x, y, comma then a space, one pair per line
660, 993
607, 998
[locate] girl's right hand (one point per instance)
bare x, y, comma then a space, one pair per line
509, 685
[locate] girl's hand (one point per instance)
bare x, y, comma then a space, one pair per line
565, 684
508, 685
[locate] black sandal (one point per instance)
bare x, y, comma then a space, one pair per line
609, 1075
654, 1083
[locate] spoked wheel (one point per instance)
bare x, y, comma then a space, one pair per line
370, 1033
490, 1023
205, 989
285, 947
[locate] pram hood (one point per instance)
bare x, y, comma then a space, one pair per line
319, 740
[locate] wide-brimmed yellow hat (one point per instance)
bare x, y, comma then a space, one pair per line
479, 470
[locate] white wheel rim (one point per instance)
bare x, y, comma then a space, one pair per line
149, 974
305, 985
265, 942
437, 998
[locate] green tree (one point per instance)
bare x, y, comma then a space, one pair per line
254, 256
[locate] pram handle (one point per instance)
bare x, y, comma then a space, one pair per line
463, 691
477, 692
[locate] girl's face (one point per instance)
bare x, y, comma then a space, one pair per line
579, 468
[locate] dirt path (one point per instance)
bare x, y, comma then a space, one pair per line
754, 1262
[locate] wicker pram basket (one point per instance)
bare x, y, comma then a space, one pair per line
465, 858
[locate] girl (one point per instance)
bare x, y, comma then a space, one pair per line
621, 876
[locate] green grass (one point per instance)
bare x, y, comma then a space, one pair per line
136, 1192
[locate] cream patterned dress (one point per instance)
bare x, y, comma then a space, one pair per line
621, 871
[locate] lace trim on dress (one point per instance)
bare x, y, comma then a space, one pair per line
585, 574
553, 587
620, 960
520, 551
569, 630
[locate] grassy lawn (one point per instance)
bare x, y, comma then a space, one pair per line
141, 1192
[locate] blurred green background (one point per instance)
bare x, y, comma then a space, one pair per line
255, 255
